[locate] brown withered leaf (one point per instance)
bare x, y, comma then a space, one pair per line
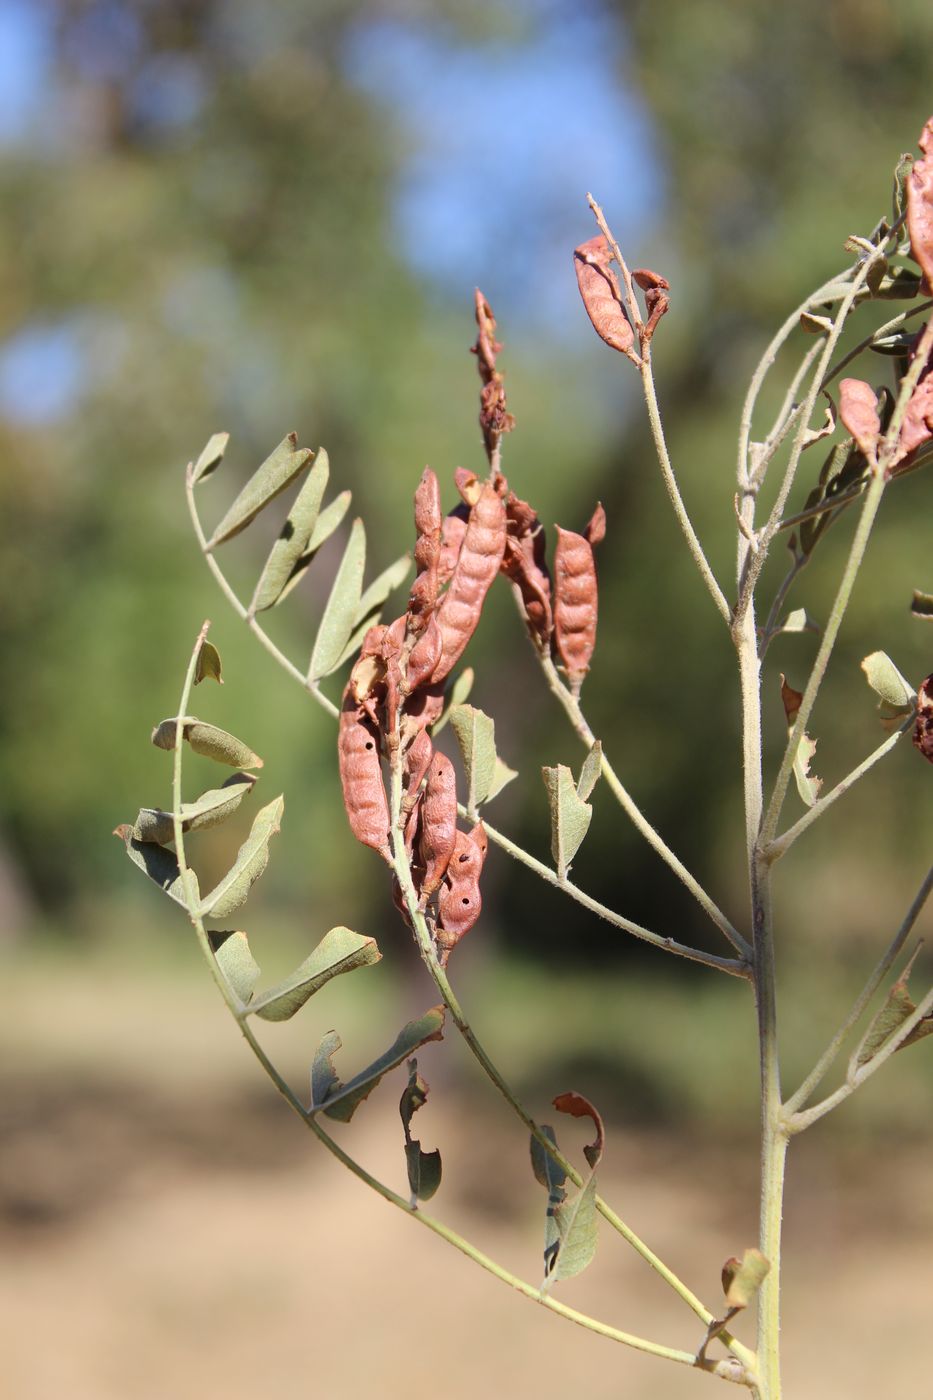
601, 297
917, 426
858, 409
494, 417
920, 206
657, 301
923, 728
579, 1107
898, 1006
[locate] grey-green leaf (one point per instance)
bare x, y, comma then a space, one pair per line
159, 864
340, 950
236, 962
252, 858
424, 1170
459, 692
570, 816
476, 735
294, 539
922, 605
340, 610
210, 809
208, 667
502, 776
210, 458
268, 481
382, 585
327, 522
886, 680
208, 740
577, 1226
340, 1101
589, 773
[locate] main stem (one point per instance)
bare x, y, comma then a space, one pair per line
773, 1132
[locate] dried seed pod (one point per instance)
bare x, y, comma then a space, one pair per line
480, 556
919, 192
391, 651
369, 671
427, 550
923, 729
576, 598
361, 777
416, 762
453, 530
917, 426
657, 301
524, 562
601, 296
858, 409
425, 655
460, 903
438, 822
494, 417
421, 710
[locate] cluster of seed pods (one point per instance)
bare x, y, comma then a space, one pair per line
396, 688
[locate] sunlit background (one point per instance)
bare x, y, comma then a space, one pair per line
272, 217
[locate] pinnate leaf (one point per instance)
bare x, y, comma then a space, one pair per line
570, 816
340, 950
340, 610
208, 740
252, 858
340, 1101
294, 538
280, 467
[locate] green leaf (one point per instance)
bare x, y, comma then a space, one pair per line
382, 585
210, 809
797, 621
236, 962
340, 1101
252, 858
898, 1005
458, 693
551, 1176
424, 1168
589, 773
159, 864
576, 1225
570, 816
340, 950
340, 610
922, 605
268, 481
208, 740
502, 776
476, 735
327, 522
742, 1278
211, 457
208, 666
886, 680
356, 639
294, 539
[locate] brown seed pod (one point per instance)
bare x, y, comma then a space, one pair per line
657, 301
421, 709
480, 556
919, 193
369, 671
391, 651
438, 822
427, 550
601, 296
453, 530
524, 562
361, 777
923, 729
460, 903
576, 599
425, 655
494, 417
917, 426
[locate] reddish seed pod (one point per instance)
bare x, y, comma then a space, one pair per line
391, 651
361, 777
919, 196
480, 556
368, 672
525, 563
923, 728
460, 903
575, 601
657, 301
600, 292
425, 655
453, 530
438, 822
427, 549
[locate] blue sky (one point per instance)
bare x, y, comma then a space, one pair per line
501, 140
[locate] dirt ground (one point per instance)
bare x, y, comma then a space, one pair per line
160, 1242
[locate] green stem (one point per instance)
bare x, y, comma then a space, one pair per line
571, 706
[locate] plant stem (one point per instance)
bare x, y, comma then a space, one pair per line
781, 844
571, 705
798, 1099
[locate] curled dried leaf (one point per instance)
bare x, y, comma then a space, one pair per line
919, 191
364, 796
576, 598
601, 296
579, 1107
657, 301
477, 565
923, 728
858, 409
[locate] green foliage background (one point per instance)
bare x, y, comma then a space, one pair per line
240, 270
